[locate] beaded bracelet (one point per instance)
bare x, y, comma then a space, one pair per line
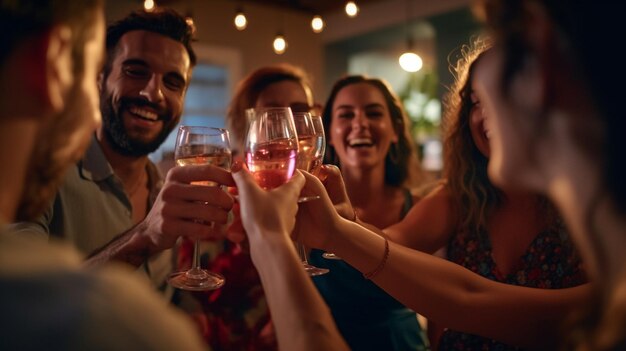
381, 265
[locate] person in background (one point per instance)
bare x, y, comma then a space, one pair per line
506, 235
368, 138
558, 128
236, 316
50, 54
114, 205
276, 85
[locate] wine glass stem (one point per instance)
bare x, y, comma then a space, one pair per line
196, 255
196, 272
302, 252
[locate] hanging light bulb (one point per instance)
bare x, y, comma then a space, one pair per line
351, 9
149, 5
317, 24
280, 44
241, 22
410, 61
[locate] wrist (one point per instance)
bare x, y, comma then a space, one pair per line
338, 227
269, 244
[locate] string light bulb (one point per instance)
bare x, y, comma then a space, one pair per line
317, 24
241, 22
280, 44
149, 5
351, 9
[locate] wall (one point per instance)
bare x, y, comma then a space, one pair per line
253, 46
247, 50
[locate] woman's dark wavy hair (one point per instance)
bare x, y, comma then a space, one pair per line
401, 169
465, 167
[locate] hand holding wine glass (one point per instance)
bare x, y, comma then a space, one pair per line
194, 146
274, 150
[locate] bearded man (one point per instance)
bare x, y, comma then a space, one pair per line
114, 205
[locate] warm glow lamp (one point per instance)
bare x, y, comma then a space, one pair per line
149, 5
317, 24
280, 44
351, 9
410, 62
241, 22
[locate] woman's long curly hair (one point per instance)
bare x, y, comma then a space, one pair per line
465, 167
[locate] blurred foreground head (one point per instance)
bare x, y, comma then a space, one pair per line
50, 54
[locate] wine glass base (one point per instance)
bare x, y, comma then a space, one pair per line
196, 280
314, 271
330, 256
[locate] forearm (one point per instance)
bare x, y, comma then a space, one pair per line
129, 247
300, 315
456, 297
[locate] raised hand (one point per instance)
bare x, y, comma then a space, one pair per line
183, 208
267, 214
180, 209
318, 219
330, 176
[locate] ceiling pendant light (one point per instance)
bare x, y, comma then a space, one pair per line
317, 24
149, 5
241, 22
351, 9
409, 60
280, 44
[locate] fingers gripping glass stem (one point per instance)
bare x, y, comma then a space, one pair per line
200, 145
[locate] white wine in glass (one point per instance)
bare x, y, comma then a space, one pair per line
310, 150
320, 142
318, 125
197, 146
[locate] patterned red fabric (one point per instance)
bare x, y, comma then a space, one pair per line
234, 316
550, 262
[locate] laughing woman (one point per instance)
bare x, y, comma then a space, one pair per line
368, 139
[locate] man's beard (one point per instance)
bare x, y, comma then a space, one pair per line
115, 132
54, 154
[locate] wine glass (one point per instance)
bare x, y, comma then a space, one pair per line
195, 146
271, 151
318, 126
271, 146
310, 153
320, 140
